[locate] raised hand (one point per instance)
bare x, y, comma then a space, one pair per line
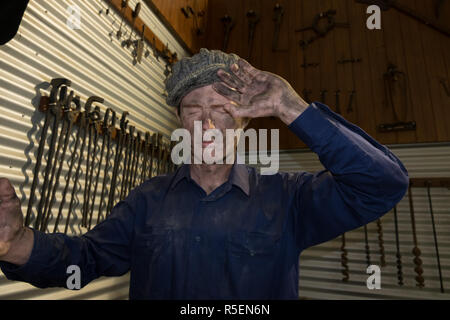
12, 230
254, 93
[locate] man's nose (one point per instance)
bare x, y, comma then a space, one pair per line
207, 123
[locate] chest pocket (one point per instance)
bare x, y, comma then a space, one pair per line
150, 263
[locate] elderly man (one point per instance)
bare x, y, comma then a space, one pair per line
220, 231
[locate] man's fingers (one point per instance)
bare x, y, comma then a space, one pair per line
244, 71
6, 190
227, 92
230, 79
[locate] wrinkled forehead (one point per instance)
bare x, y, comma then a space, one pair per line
203, 96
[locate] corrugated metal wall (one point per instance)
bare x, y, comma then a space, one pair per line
320, 266
96, 63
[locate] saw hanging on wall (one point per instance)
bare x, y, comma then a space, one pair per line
396, 95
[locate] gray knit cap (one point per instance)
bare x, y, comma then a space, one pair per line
197, 71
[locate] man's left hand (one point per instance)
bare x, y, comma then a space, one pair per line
254, 94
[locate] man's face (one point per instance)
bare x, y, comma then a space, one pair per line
206, 105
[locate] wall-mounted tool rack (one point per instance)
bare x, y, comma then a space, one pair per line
84, 144
159, 48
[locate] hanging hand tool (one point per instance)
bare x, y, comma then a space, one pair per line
435, 237
47, 108
139, 147
84, 126
124, 4
139, 47
145, 151
367, 247
396, 91
253, 20
153, 159
278, 13
344, 260
381, 243
387, 4
152, 154
74, 118
94, 117
110, 133
160, 154
319, 30
416, 251
338, 104
102, 131
69, 118
117, 160
135, 14
128, 158
398, 254
133, 156
350, 101
228, 25
306, 64
57, 113
127, 147
51, 184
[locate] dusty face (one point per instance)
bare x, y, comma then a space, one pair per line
206, 105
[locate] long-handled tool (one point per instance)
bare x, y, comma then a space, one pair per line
133, 162
110, 133
344, 260
69, 118
367, 247
84, 126
398, 254
381, 243
123, 5
416, 251
56, 85
138, 154
253, 20
128, 160
228, 25
278, 13
93, 136
57, 112
102, 132
435, 238
153, 152
145, 151
74, 116
135, 14
118, 157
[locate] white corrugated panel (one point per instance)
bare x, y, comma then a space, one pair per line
46, 48
320, 266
